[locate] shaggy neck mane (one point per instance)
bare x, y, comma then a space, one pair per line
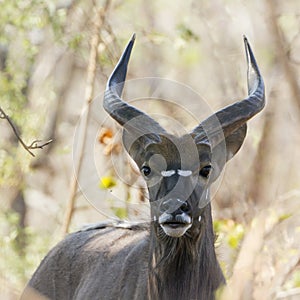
185, 267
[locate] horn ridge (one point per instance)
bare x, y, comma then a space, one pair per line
117, 78
235, 115
118, 109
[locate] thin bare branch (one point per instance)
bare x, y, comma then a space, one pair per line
38, 144
34, 145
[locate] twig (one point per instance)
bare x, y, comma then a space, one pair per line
34, 145
91, 73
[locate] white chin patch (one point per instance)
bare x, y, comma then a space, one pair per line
177, 231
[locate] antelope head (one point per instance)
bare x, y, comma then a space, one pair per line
179, 170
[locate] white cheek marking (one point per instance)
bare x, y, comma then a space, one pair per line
168, 173
184, 173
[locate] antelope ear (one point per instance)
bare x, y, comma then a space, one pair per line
136, 144
235, 141
232, 145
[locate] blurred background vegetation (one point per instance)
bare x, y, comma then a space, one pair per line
48, 76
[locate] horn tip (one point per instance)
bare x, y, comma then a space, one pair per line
249, 53
250, 56
133, 37
246, 42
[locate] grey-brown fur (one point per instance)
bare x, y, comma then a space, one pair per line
112, 263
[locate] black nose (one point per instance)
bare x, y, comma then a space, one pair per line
175, 207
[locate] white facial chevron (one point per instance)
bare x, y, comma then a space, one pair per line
169, 173
184, 173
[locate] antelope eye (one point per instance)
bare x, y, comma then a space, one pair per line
146, 170
205, 171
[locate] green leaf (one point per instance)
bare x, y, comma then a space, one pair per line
107, 182
284, 217
120, 212
296, 279
186, 33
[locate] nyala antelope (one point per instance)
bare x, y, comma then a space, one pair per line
172, 257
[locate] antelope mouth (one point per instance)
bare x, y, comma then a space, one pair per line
175, 229
175, 226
